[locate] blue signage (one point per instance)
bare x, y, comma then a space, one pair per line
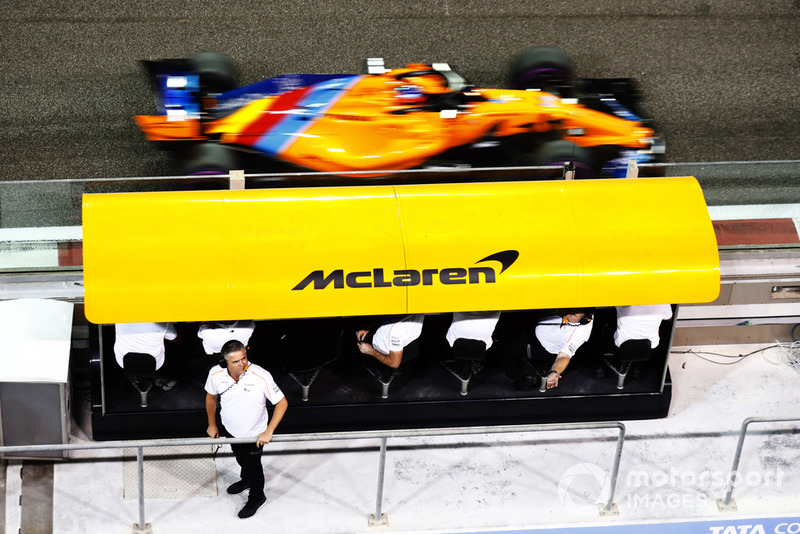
762, 525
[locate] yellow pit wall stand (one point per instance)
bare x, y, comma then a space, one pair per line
341, 251
331, 252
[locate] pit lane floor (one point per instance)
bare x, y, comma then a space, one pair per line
671, 470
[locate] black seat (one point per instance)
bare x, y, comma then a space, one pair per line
632, 350
385, 374
465, 360
140, 370
307, 347
382, 373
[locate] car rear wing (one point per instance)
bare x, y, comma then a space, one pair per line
177, 88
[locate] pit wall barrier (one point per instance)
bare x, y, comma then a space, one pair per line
372, 250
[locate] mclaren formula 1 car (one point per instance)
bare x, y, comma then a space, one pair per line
390, 120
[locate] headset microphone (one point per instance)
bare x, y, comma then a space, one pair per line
586, 319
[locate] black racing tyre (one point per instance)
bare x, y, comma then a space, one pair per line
209, 159
560, 152
545, 68
216, 72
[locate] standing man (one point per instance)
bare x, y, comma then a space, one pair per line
244, 390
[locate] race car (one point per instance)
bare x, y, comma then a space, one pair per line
389, 120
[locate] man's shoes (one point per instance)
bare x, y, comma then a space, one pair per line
238, 487
252, 506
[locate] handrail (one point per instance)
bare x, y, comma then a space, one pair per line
724, 504
383, 435
405, 171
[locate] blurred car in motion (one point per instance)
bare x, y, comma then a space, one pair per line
391, 120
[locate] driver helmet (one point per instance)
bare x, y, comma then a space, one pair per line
410, 93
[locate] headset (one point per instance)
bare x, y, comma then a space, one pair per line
587, 318
222, 361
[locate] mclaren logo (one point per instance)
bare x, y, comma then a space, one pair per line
412, 277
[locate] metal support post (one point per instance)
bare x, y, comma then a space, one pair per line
633, 169
237, 179
611, 508
379, 518
569, 170
142, 527
728, 503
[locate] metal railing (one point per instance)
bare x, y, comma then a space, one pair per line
384, 435
378, 518
727, 503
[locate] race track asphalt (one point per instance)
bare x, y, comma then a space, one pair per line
720, 77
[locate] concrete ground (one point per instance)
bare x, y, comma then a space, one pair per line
672, 470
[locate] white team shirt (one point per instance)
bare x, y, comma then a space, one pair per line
243, 403
214, 335
396, 336
147, 338
640, 322
473, 325
557, 336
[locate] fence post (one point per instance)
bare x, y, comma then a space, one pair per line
379, 518
611, 508
728, 503
142, 527
725, 504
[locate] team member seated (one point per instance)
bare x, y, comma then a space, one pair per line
390, 340
215, 334
559, 337
641, 322
636, 336
469, 337
391, 343
145, 339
